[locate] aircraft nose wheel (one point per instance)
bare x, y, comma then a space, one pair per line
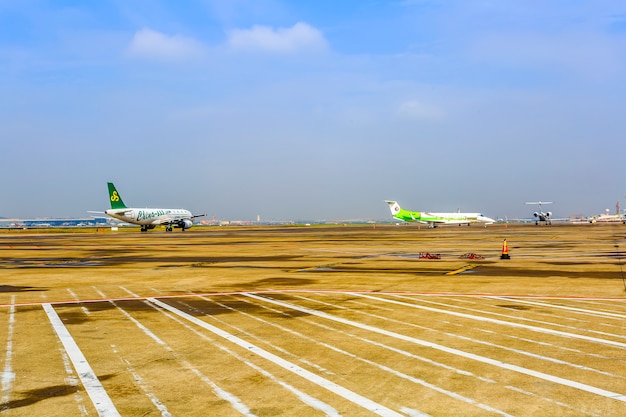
168, 229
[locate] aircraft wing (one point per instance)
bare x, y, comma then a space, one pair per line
168, 222
122, 212
175, 220
433, 219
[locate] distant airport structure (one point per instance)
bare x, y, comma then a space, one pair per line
54, 222
618, 217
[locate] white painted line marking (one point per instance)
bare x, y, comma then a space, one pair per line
302, 396
95, 390
538, 323
8, 376
235, 402
272, 345
502, 322
85, 310
316, 379
457, 352
414, 413
399, 374
72, 381
461, 372
145, 387
596, 313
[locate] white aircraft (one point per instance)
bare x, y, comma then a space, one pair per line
541, 216
148, 218
435, 219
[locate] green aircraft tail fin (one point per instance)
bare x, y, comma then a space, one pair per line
114, 197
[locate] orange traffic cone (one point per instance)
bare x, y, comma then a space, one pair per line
505, 251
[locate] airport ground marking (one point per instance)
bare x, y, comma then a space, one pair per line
251, 316
524, 319
535, 355
8, 375
82, 307
413, 413
72, 380
462, 269
144, 387
478, 341
536, 329
391, 348
302, 396
138, 380
492, 333
453, 351
101, 400
450, 368
575, 309
319, 290
382, 367
318, 380
234, 401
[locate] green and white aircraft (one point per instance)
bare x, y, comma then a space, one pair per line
148, 218
435, 219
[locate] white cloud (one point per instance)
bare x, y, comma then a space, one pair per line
148, 43
300, 36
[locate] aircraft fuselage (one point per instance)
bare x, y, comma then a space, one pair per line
149, 216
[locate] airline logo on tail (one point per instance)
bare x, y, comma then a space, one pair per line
148, 218
114, 196
435, 219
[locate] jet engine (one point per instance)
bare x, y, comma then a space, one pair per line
536, 214
185, 224
548, 214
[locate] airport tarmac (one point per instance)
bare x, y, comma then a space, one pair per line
314, 321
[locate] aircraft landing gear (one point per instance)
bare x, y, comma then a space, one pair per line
168, 228
144, 228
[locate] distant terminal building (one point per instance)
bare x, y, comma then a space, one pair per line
45, 222
577, 218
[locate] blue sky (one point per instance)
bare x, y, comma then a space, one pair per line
313, 109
